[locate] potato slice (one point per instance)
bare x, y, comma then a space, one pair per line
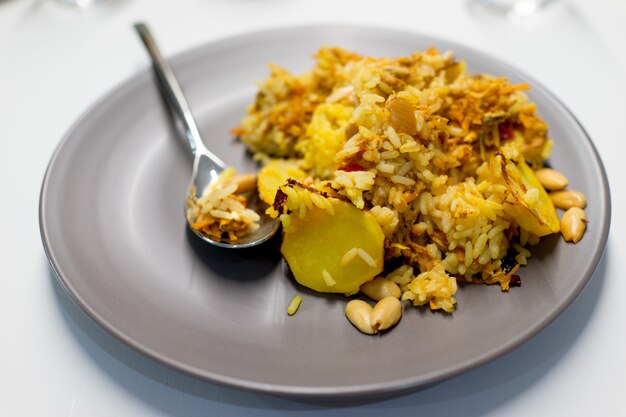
275, 174
337, 252
537, 214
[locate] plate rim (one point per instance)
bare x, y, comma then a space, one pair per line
316, 392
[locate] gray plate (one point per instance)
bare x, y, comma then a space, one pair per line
112, 225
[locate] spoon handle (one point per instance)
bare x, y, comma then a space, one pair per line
174, 95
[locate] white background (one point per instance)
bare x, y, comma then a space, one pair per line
55, 61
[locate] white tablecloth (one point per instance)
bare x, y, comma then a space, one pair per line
56, 61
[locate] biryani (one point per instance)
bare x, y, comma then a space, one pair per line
406, 175
221, 212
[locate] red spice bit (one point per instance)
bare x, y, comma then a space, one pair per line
515, 281
280, 202
505, 130
352, 168
443, 139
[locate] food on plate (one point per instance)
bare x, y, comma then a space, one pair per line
221, 209
359, 313
529, 203
294, 304
275, 174
550, 179
573, 224
329, 244
371, 320
402, 177
381, 287
567, 199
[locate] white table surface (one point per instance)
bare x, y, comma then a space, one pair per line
56, 61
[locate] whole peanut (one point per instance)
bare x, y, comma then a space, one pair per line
573, 224
566, 199
359, 313
386, 313
550, 179
379, 288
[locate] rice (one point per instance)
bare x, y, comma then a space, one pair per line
294, 304
220, 213
328, 279
366, 257
349, 256
419, 143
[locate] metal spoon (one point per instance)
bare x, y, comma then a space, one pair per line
206, 166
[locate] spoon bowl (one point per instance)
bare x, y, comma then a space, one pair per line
207, 167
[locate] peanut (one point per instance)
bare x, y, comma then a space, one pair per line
550, 179
379, 288
573, 224
245, 182
359, 313
386, 313
567, 199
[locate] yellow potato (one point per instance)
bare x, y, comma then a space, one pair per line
317, 245
275, 174
536, 215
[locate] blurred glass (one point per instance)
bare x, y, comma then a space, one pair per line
81, 3
514, 8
